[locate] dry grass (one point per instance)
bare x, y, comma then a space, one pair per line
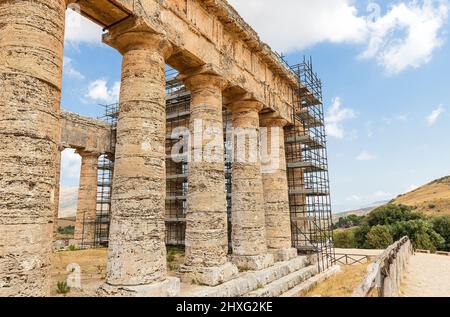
92, 264
432, 199
341, 284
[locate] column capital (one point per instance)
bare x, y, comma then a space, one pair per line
245, 105
272, 120
62, 147
135, 34
203, 77
88, 154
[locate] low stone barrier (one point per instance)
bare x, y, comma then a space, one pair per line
385, 274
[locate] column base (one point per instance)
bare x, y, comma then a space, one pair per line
167, 288
281, 255
209, 276
253, 262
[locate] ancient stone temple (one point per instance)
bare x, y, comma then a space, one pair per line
242, 196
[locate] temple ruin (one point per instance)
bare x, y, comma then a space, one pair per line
184, 62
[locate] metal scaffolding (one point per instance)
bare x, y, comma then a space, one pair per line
307, 163
104, 185
177, 109
306, 155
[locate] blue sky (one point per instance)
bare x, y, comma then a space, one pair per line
386, 87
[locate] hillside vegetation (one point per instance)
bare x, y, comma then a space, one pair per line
389, 223
432, 199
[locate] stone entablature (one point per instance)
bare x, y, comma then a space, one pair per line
210, 32
87, 134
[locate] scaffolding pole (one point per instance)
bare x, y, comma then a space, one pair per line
307, 168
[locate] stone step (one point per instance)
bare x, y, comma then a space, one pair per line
250, 281
284, 284
312, 282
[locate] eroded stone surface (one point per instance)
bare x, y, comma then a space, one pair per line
137, 252
276, 198
248, 218
170, 287
31, 47
206, 218
212, 32
87, 200
86, 134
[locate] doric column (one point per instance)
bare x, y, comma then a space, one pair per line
206, 218
276, 192
248, 219
87, 200
31, 49
137, 252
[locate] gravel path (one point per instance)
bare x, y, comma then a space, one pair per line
427, 275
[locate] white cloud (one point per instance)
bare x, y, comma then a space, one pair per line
69, 69
402, 117
399, 118
407, 35
68, 200
292, 25
336, 115
434, 116
365, 156
100, 92
70, 164
81, 30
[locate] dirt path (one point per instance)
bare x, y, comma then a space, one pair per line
427, 275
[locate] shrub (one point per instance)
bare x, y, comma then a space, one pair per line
391, 214
379, 237
441, 225
360, 234
62, 288
345, 239
349, 221
420, 232
72, 247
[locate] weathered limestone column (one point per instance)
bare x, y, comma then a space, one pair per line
248, 219
87, 200
57, 190
276, 191
31, 49
206, 218
137, 253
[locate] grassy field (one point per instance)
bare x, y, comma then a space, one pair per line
432, 199
341, 284
92, 266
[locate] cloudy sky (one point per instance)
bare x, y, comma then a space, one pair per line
385, 69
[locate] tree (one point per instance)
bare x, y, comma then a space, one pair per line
379, 237
349, 221
360, 234
441, 225
420, 232
391, 214
345, 239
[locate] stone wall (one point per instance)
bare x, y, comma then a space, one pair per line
87, 134
385, 274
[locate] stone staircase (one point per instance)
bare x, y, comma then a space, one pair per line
270, 282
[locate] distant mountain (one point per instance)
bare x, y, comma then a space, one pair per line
431, 199
359, 212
